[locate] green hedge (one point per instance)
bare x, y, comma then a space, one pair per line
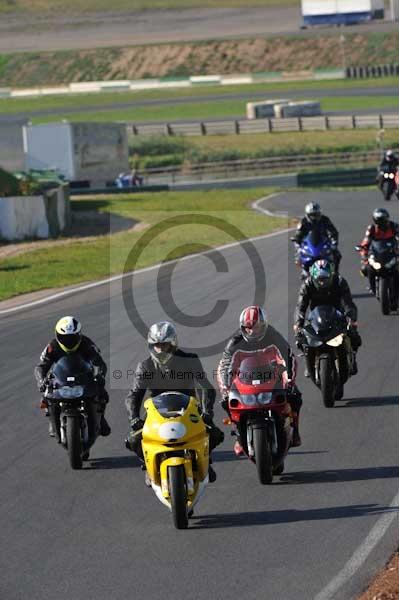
9, 185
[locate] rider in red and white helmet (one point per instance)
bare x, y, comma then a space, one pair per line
256, 333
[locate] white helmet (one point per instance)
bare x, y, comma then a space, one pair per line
68, 333
162, 341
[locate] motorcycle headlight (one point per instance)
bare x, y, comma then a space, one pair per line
376, 265
391, 176
337, 341
391, 263
386, 175
249, 399
264, 397
75, 391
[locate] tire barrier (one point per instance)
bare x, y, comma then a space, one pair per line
362, 72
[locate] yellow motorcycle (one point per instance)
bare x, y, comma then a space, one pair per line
176, 452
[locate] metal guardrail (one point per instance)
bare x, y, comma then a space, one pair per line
242, 126
258, 167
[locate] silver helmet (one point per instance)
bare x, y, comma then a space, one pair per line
313, 212
162, 341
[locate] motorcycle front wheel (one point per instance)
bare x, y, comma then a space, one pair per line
178, 496
327, 381
384, 296
263, 456
74, 442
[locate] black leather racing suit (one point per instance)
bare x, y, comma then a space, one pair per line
272, 338
90, 353
53, 352
324, 226
337, 295
183, 373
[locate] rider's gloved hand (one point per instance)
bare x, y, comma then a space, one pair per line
42, 386
136, 424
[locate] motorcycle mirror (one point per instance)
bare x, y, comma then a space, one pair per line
358, 248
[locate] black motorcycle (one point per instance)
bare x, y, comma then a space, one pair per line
383, 275
72, 395
327, 350
388, 182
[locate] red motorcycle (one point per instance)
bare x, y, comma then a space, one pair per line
260, 411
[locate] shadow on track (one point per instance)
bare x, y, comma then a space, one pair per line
363, 295
339, 475
273, 517
113, 462
368, 401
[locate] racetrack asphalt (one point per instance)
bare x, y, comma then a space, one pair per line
100, 533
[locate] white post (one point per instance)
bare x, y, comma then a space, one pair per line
395, 10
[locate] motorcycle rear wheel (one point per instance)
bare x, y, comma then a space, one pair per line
74, 443
178, 496
327, 382
263, 456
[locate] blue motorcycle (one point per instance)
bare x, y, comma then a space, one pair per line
316, 246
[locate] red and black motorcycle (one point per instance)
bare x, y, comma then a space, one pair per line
259, 409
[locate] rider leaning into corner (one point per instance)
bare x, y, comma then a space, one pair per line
68, 340
325, 287
315, 220
255, 333
169, 369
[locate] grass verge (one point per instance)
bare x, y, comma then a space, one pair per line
59, 266
161, 151
106, 100
76, 7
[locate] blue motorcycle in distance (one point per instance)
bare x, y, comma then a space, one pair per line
315, 246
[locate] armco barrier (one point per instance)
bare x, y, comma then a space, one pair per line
116, 190
344, 177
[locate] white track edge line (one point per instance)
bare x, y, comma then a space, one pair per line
361, 553
93, 284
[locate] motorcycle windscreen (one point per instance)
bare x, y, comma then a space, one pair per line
315, 242
72, 366
171, 404
263, 369
325, 320
383, 249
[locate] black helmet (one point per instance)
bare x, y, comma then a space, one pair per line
313, 212
380, 217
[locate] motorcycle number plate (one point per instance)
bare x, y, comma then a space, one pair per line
256, 382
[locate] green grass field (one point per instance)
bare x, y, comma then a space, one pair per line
102, 100
149, 152
84, 261
229, 109
77, 7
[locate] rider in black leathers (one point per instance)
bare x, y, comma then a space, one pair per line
315, 220
325, 287
390, 162
170, 369
70, 340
